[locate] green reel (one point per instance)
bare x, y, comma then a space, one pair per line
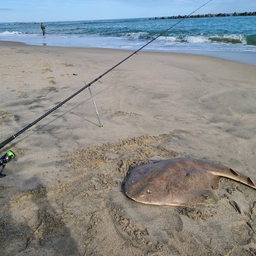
4, 160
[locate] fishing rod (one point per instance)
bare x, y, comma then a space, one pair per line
10, 155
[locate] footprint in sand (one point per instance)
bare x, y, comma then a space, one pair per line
242, 233
4, 115
23, 95
51, 80
45, 70
66, 64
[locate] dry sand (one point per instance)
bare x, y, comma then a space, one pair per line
63, 193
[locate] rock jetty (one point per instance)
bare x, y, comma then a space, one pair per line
209, 15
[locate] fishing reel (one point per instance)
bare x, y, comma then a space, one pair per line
4, 160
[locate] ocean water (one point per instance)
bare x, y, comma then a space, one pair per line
227, 36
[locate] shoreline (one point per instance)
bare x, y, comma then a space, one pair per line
240, 57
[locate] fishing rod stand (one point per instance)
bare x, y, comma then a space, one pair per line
95, 106
4, 160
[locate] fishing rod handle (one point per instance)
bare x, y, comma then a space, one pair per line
7, 141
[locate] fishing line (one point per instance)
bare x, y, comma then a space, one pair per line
10, 155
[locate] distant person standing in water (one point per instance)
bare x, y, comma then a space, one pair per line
43, 28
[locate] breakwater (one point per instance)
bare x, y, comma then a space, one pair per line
209, 15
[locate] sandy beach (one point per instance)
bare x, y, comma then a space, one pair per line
63, 192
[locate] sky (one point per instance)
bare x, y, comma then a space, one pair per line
72, 10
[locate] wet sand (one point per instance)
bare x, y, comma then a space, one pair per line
63, 192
